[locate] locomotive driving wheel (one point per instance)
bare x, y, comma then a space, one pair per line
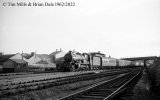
72, 68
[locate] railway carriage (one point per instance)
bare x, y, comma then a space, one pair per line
108, 63
105, 63
124, 63
112, 63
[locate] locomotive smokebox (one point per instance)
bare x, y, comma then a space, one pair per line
68, 57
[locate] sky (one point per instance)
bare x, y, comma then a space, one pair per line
119, 28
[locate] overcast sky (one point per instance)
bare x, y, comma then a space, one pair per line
121, 28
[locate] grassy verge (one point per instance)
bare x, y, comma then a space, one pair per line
142, 88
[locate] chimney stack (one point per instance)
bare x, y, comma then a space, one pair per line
33, 54
22, 55
1, 53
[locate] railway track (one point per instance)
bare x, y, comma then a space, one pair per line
22, 78
28, 78
38, 73
106, 90
10, 74
127, 93
15, 89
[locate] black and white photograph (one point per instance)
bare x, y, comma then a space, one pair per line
79, 49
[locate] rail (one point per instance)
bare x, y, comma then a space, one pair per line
95, 92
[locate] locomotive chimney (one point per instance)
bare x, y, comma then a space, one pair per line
73, 51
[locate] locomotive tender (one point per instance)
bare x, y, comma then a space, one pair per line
90, 61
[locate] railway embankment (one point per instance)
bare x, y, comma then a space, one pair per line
148, 87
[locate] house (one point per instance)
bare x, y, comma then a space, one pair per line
41, 61
48, 60
18, 56
4, 58
33, 60
56, 55
13, 63
52, 56
42, 64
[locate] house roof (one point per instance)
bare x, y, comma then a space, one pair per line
42, 62
59, 59
34, 59
4, 58
54, 53
19, 61
43, 56
41, 59
16, 56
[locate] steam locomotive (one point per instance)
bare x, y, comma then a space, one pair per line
90, 61
70, 62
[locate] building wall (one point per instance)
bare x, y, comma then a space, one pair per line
42, 65
1, 68
11, 66
8, 64
20, 69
